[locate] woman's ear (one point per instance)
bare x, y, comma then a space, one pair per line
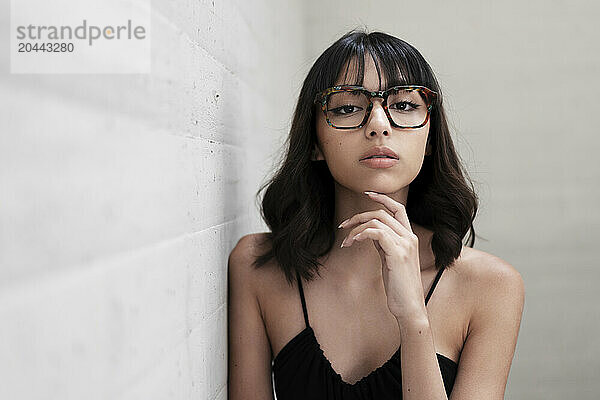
317, 155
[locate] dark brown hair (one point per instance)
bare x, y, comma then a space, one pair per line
298, 203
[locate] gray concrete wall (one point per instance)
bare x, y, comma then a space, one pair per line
520, 80
122, 195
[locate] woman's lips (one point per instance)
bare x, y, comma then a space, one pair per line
379, 162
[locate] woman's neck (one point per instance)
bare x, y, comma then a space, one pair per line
361, 260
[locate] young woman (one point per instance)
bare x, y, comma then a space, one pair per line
368, 209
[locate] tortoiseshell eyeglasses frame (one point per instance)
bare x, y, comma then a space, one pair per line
429, 94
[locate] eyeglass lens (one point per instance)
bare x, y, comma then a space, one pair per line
346, 109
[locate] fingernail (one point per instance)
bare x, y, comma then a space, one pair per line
343, 223
367, 192
343, 242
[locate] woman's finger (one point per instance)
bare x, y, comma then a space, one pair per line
371, 224
381, 215
396, 208
386, 240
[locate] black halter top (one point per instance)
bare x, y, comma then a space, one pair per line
301, 370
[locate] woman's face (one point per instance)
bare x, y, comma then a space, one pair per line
342, 149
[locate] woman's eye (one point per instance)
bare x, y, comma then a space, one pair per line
348, 109
404, 106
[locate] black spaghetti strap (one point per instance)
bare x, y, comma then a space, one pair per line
302, 300
435, 281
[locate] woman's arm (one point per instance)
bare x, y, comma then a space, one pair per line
496, 293
492, 335
249, 353
489, 347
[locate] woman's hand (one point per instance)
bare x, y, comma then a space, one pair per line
398, 248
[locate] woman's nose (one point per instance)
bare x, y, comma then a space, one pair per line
378, 122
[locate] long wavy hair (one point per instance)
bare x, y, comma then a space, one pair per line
298, 203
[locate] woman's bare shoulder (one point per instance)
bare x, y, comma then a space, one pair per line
485, 269
489, 280
250, 246
243, 256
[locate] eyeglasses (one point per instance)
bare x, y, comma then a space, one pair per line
349, 106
